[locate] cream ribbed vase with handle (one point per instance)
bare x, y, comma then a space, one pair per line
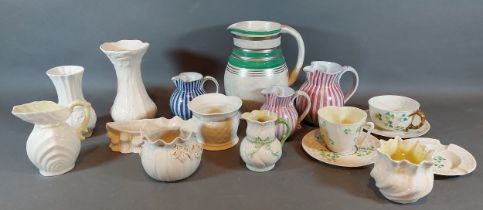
68, 85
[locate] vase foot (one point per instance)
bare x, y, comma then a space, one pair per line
125, 148
60, 172
219, 147
88, 133
260, 169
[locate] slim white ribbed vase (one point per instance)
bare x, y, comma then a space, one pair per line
68, 84
132, 101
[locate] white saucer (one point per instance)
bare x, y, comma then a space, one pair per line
366, 150
449, 160
412, 133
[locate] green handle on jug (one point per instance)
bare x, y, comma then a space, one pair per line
287, 132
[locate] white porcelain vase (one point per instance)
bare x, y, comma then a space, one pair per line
261, 149
403, 170
53, 145
170, 151
132, 101
68, 85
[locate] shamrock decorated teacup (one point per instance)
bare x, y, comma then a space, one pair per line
395, 113
340, 128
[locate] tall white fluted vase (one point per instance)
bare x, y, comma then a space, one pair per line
132, 101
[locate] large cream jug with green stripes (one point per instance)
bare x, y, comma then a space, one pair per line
257, 62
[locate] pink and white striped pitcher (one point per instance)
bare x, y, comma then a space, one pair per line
323, 87
280, 100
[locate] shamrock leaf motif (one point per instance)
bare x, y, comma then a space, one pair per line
347, 131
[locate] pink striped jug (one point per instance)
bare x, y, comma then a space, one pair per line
323, 87
280, 100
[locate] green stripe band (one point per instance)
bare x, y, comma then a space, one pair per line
240, 31
254, 54
256, 65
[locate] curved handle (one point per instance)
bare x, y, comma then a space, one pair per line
307, 106
287, 132
369, 130
301, 54
87, 109
206, 78
423, 120
355, 82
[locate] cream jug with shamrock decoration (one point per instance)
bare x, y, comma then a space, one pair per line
261, 149
257, 62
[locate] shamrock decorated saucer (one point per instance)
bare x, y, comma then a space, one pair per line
366, 150
412, 133
449, 160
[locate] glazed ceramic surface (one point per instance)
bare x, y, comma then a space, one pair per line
366, 150
323, 87
188, 86
257, 61
53, 145
403, 170
68, 84
280, 100
126, 136
395, 113
217, 117
449, 160
261, 149
340, 127
411, 133
132, 101
170, 151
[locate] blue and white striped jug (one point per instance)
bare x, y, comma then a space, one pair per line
188, 86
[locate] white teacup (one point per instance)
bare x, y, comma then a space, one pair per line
395, 113
341, 126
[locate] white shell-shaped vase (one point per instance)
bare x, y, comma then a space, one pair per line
68, 85
53, 145
132, 101
403, 170
261, 149
170, 151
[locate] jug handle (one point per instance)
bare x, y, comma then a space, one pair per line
355, 82
206, 78
301, 52
87, 109
423, 120
370, 128
287, 132
307, 106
